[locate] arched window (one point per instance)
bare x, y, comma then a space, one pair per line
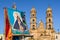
33, 20
41, 34
49, 26
49, 14
32, 15
33, 27
56, 37
1, 38
49, 20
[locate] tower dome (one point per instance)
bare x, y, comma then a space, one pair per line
33, 10
49, 8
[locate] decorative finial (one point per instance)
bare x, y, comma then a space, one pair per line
33, 10
40, 21
33, 7
49, 8
14, 5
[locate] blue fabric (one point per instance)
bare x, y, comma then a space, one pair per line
15, 29
10, 15
26, 32
23, 26
16, 25
19, 32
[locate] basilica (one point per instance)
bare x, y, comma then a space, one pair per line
39, 32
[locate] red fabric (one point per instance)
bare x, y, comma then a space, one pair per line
7, 24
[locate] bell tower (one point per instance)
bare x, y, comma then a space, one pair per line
49, 22
33, 19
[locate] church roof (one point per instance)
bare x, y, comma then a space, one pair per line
41, 25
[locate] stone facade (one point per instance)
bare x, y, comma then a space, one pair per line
39, 32
57, 36
2, 37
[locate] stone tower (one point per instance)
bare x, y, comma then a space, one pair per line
33, 27
49, 22
40, 33
33, 19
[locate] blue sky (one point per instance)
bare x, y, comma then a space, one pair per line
40, 6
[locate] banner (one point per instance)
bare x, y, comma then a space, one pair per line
17, 21
8, 32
